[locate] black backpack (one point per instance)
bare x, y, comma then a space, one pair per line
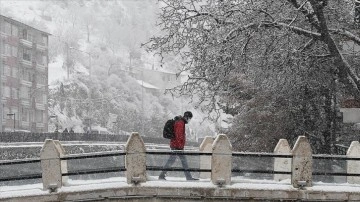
168, 131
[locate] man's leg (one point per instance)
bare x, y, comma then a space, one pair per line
185, 166
170, 161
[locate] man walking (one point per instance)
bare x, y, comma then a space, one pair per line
178, 143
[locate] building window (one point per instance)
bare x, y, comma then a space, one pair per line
27, 74
14, 31
24, 114
6, 91
15, 110
6, 111
40, 78
14, 72
14, 93
7, 70
27, 35
7, 49
31, 115
27, 54
41, 58
14, 51
7, 28
25, 92
44, 60
44, 39
39, 116
39, 98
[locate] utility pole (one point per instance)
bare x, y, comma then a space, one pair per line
67, 60
89, 64
1, 106
1, 87
357, 12
142, 102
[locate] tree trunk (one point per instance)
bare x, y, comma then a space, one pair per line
347, 74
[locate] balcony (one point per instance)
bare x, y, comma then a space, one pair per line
3, 78
40, 67
25, 102
3, 34
40, 106
41, 47
26, 63
40, 85
25, 83
3, 99
3, 56
40, 125
26, 43
25, 124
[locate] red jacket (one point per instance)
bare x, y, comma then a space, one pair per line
178, 142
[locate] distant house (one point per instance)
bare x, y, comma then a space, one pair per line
156, 79
24, 77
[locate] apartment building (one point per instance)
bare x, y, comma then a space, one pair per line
24, 77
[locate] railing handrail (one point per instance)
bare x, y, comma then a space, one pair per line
20, 161
93, 155
261, 154
95, 171
335, 157
21, 177
179, 152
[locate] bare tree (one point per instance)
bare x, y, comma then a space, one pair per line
279, 48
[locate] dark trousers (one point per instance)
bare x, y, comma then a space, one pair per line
172, 160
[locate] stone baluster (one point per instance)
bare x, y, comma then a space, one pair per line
282, 164
353, 166
135, 159
51, 166
301, 168
205, 161
64, 168
221, 161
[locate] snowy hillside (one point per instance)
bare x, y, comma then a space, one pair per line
91, 47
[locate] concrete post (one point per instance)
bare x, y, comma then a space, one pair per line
221, 161
135, 160
301, 169
50, 165
64, 168
353, 166
205, 161
282, 164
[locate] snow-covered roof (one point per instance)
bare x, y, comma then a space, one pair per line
146, 85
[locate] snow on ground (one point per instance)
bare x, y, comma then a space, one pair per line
119, 182
56, 71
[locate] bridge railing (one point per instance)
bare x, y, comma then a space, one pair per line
215, 160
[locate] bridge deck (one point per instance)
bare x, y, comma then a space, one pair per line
116, 189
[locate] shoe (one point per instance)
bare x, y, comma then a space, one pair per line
162, 177
192, 179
